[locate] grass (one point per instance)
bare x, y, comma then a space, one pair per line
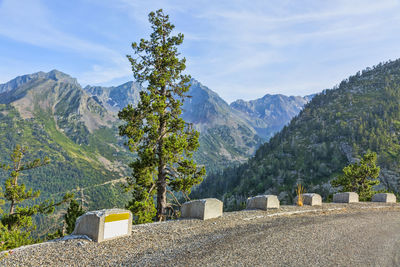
299, 192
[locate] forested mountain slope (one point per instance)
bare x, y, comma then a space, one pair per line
335, 128
51, 115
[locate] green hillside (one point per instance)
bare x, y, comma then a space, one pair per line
335, 128
55, 118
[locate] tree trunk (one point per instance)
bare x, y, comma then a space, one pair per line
17, 169
161, 196
162, 177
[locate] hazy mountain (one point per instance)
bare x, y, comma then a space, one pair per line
268, 115
116, 98
335, 128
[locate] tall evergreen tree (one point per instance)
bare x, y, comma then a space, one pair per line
360, 177
163, 141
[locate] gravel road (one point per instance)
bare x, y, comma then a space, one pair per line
363, 234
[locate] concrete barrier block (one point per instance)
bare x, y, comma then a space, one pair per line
347, 197
103, 225
384, 197
263, 202
202, 209
311, 199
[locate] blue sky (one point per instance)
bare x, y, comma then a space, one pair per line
240, 49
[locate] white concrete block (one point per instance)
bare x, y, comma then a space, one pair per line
202, 209
347, 197
103, 225
311, 199
263, 202
384, 197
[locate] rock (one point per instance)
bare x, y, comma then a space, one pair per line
384, 197
202, 209
263, 202
103, 225
347, 197
310, 199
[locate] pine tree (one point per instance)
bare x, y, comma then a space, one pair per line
17, 224
73, 212
360, 177
163, 141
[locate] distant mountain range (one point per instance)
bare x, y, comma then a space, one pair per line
268, 115
77, 128
229, 133
334, 129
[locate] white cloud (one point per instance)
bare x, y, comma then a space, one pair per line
30, 22
252, 38
236, 47
100, 74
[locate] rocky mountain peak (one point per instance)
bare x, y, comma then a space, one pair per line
59, 76
55, 75
116, 98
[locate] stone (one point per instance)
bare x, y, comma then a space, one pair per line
103, 225
202, 209
384, 197
263, 202
311, 199
347, 197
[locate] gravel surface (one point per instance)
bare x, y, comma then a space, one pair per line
362, 234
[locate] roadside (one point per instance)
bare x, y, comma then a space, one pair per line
361, 234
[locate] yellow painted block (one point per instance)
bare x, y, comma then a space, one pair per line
116, 217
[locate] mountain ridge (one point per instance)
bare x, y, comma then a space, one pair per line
227, 133
270, 113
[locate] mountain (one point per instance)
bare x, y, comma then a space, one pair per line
229, 134
224, 136
60, 96
52, 115
116, 98
334, 129
20, 80
268, 115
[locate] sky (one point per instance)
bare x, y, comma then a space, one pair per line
240, 49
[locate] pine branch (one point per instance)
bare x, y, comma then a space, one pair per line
174, 197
